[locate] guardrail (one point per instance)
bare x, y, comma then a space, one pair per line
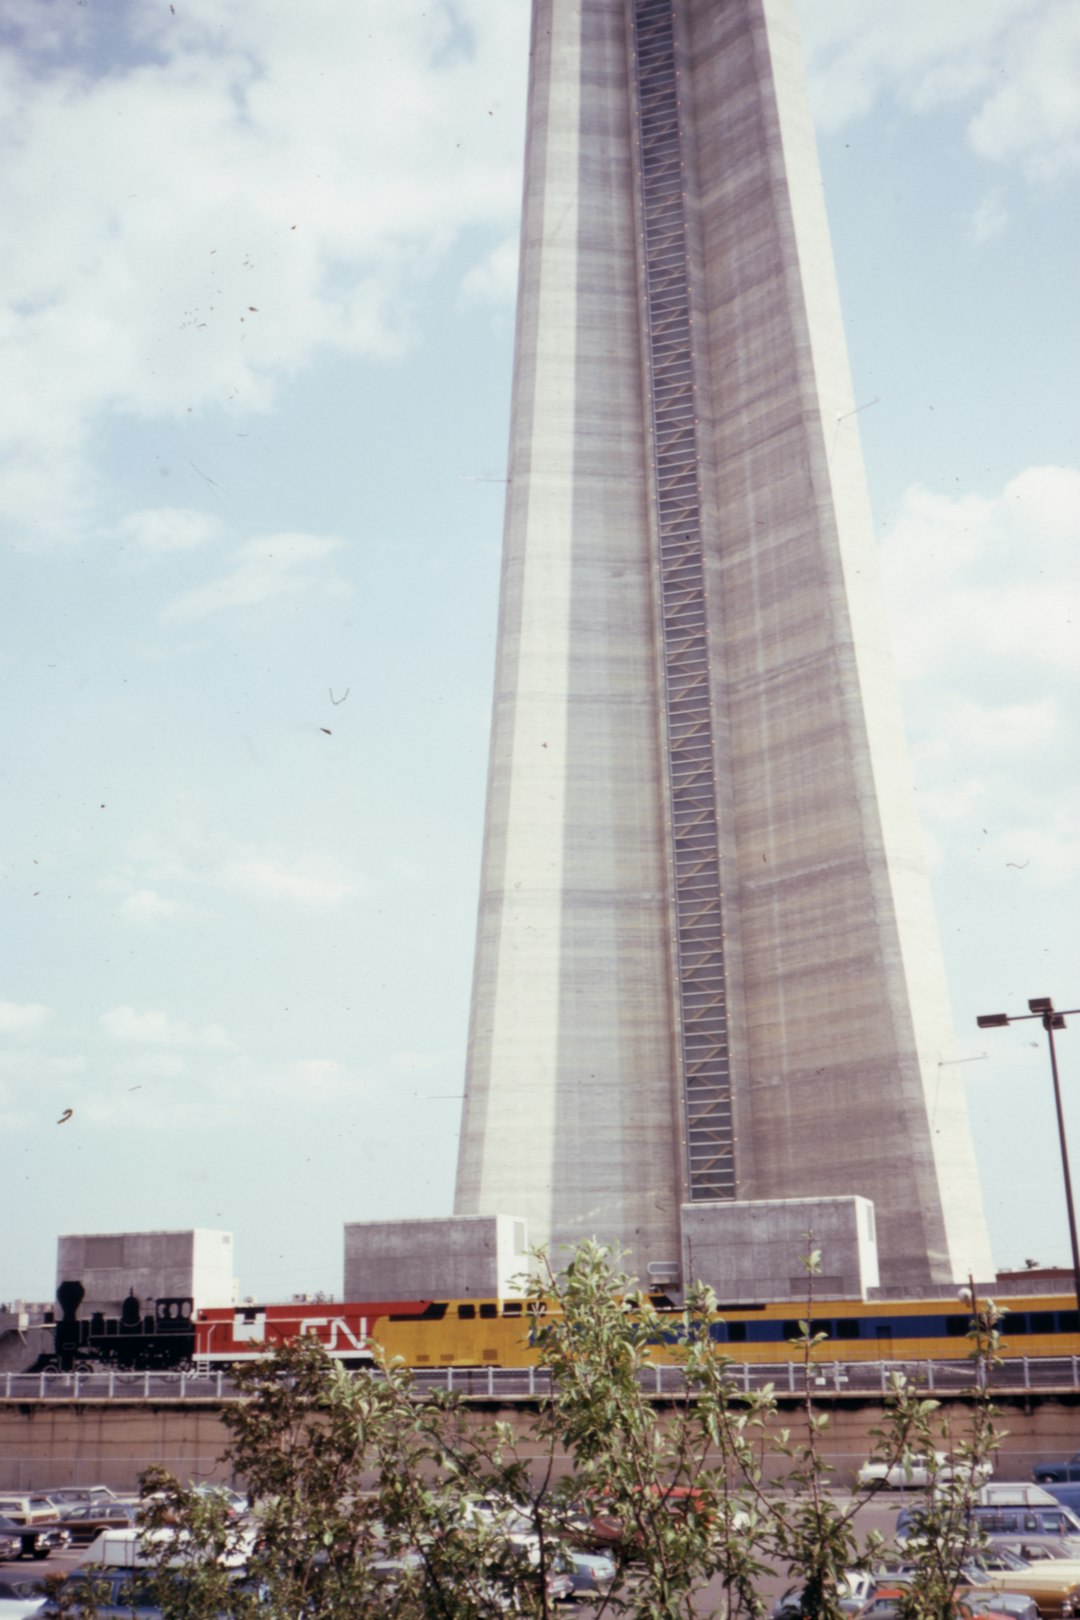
1026, 1373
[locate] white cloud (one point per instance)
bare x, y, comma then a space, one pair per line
989, 218
64, 1067
317, 1080
200, 859
154, 1066
158, 1029
34, 1066
281, 565
1046, 846
215, 1093
21, 1019
1011, 66
987, 579
136, 1110
494, 279
241, 192
311, 880
861, 50
1032, 115
1011, 728
984, 593
147, 906
170, 528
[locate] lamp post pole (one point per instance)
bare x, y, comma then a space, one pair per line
1042, 1008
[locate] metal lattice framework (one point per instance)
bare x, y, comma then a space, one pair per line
695, 854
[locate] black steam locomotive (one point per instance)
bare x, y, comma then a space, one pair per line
131, 1341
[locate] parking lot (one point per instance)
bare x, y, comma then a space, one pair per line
878, 1514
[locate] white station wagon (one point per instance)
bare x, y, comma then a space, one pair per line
918, 1470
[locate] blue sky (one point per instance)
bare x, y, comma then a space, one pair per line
257, 314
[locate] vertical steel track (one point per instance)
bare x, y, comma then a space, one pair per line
703, 1034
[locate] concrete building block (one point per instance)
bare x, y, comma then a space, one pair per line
196, 1263
754, 1252
462, 1257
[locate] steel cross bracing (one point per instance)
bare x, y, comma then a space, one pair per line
699, 937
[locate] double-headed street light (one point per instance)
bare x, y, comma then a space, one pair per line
1042, 1008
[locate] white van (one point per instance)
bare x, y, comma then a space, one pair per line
1014, 1493
139, 1549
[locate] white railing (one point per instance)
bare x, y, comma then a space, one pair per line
827, 1378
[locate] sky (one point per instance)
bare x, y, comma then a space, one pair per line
256, 309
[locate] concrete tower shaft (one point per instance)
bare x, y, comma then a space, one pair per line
707, 965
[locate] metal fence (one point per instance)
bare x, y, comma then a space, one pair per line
831, 1378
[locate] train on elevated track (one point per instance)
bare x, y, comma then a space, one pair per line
426, 1333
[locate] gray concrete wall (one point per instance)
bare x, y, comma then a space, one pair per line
102, 1445
848, 1028
21, 1345
42, 1445
838, 1023
570, 1115
463, 1257
756, 1251
110, 1265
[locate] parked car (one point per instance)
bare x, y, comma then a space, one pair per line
1014, 1493
886, 1601
1017, 1605
497, 1588
558, 1585
35, 1509
971, 1583
1053, 1471
35, 1540
1038, 1549
492, 1511
19, 1600
115, 1594
82, 1521
76, 1495
856, 1589
1049, 1582
598, 1525
592, 1574
1031, 1520
991, 1557
918, 1470
235, 1502
138, 1549
1036, 1519
392, 1568
1067, 1492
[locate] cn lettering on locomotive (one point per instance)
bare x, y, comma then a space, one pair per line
487, 1333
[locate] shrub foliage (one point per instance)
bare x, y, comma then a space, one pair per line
370, 1501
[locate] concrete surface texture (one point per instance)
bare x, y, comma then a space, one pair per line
758, 1251
707, 964
196, 1263
86, 1443
472, 1257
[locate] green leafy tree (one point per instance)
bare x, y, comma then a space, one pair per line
814, 1532
943, 1534
681, 1495
364, 1504
370, 1500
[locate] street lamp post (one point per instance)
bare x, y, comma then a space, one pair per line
1042, 1008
